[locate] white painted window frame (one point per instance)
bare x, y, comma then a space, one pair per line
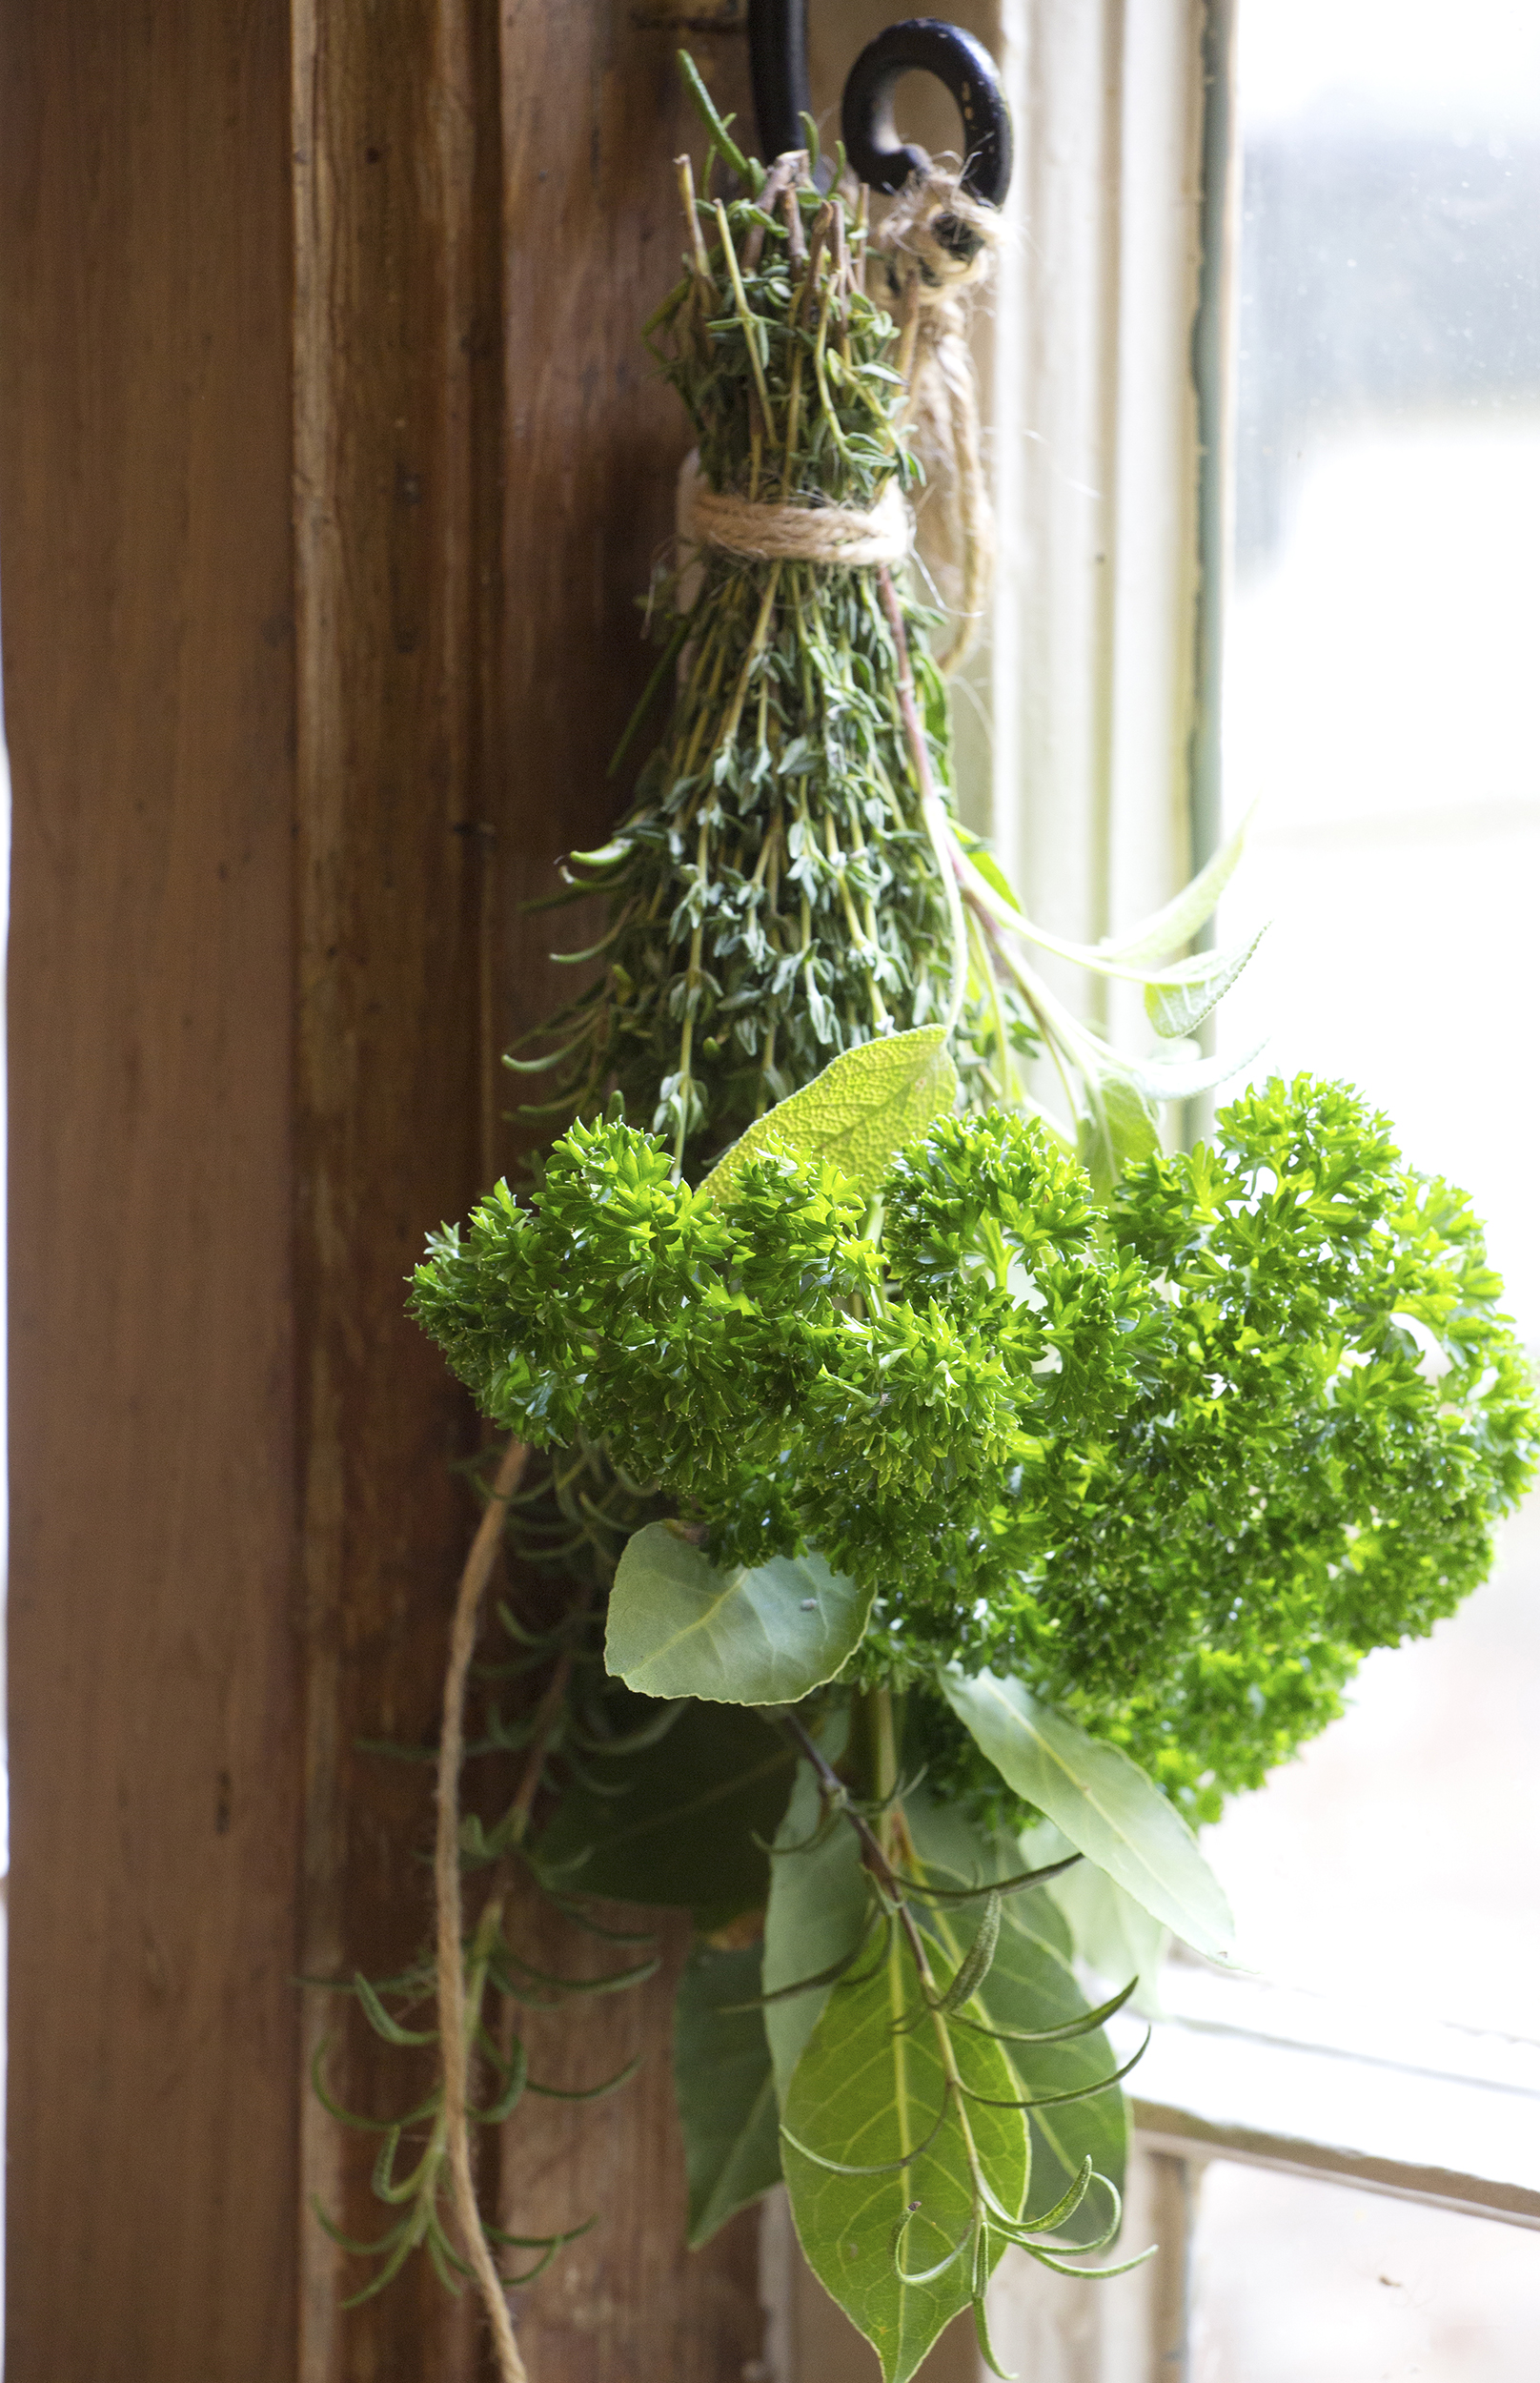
1108, 375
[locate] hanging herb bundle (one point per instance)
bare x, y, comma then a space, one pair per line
912, 1472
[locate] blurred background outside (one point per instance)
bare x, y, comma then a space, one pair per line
1382, 698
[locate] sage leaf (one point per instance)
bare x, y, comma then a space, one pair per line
1118, 1130
1103, 1803
684, 1820
866, 1103
764, 1634
1181, 998
1031, 1987
1174, 1079
725, 2087
863, 2096
819, 1904
1166, 931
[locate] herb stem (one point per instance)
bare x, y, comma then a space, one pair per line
935, 824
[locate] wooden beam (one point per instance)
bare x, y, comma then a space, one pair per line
145, 469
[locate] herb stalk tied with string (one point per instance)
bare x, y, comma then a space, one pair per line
780, 890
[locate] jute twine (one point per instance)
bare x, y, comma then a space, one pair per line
934, 251
453, 2037
768, 532
934, 248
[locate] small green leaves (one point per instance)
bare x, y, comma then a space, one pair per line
725, 2087
748, 169
1103, 1802
865, 1105
762, 1634
884, 2159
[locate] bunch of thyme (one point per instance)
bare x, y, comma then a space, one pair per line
774, 895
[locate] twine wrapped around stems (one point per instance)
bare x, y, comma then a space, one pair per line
780, 533
934, 249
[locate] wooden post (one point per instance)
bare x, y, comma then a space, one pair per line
155, 1680
329, 471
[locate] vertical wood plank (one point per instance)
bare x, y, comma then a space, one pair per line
144, 530
395, 362
594, 118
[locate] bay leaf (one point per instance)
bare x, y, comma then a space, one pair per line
765, 1634
680, 1822
864, 2094
1103, 1802
1031, 1987
819, 1904
724, 2088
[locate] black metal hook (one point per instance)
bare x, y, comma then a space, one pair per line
926, 45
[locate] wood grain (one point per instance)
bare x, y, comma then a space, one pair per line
592, 118
145, 464
395, 360
330, 470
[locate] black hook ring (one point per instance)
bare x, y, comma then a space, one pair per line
925, 45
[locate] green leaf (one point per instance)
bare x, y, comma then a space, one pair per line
1031, 1987
765, 1634
726, 2089
1103, 1802
1167, 929
820, 1902
986, 865
1113, 1934
684, 1828
1119, 1128
863, 2096
1182, 996
866, 1103
1177, 1079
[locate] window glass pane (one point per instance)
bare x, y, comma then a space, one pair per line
1294, 2278
1380, 697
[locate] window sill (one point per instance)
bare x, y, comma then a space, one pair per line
1241, 2071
